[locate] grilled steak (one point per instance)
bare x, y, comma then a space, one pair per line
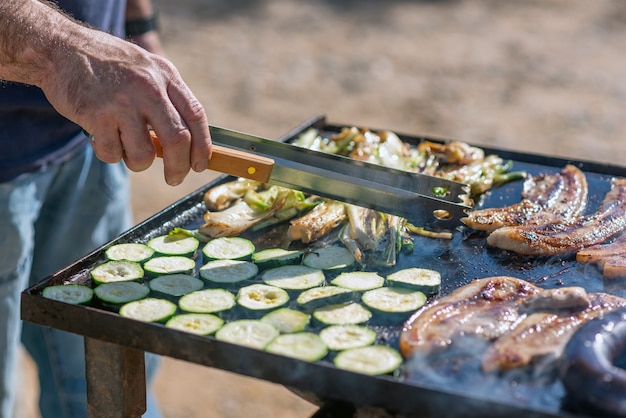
546, 198
523, 322
558, 238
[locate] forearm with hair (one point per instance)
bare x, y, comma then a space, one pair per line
32, 35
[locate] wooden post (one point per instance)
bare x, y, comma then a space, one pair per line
116, 380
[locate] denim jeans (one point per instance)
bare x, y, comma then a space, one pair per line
49, 219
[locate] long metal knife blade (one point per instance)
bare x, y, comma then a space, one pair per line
423, 200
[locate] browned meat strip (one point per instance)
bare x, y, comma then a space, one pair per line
614, 266
486, 307
522, 322
553, 239
546, 198
318, 222
542, 336
599, 252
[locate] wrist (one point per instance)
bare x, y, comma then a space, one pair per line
139, 26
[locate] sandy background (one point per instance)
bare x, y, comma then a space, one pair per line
540, 76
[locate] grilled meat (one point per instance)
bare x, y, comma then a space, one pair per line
542, 336
546, 198
610, 257
599, 252
591, 374
523, 322
558, 238
318, 222
487, 307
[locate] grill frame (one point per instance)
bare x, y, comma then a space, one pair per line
321, 380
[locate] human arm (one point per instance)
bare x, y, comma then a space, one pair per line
112, 88
143, 11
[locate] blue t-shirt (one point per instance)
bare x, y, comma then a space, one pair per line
32, 134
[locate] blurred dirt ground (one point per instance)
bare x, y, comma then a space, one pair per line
537, 76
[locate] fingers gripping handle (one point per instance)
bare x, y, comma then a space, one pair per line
233, 162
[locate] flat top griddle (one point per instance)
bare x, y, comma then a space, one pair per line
448, 389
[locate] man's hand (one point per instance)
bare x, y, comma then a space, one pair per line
112, 88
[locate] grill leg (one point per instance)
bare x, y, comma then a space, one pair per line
116, 380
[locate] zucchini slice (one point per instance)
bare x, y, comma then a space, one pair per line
228, 271
296, 277
175, 285
207, 301
424, 280
287, 320
393, 300
233, 248
371, 360
324, 295
119, 293
175, 244
76, 294
157, 266
276, 257
344, 337
261, 297
117, 271
199, 324
149, 310
303, 346
359, 280
342, 314
329, 258
247, 332
130, 252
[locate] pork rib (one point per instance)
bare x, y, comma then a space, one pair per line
541, 336
558, 238
546, 198
486, 307
522, 322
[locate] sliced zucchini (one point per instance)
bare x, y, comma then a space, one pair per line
261, 297
233, 248
76, 294
228, 271
149, 310
329, 258
342, 314
175, 244
157, 266
207, 301
276, 257
175, 285
359, 280
393, 300
199, 324
248, 332
130, 252
302, 345
371, 360
424, 280
287, 320
344, 337
324, 295
296, 277
119, 293
117, 271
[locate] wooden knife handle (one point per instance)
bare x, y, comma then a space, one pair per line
234, 162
